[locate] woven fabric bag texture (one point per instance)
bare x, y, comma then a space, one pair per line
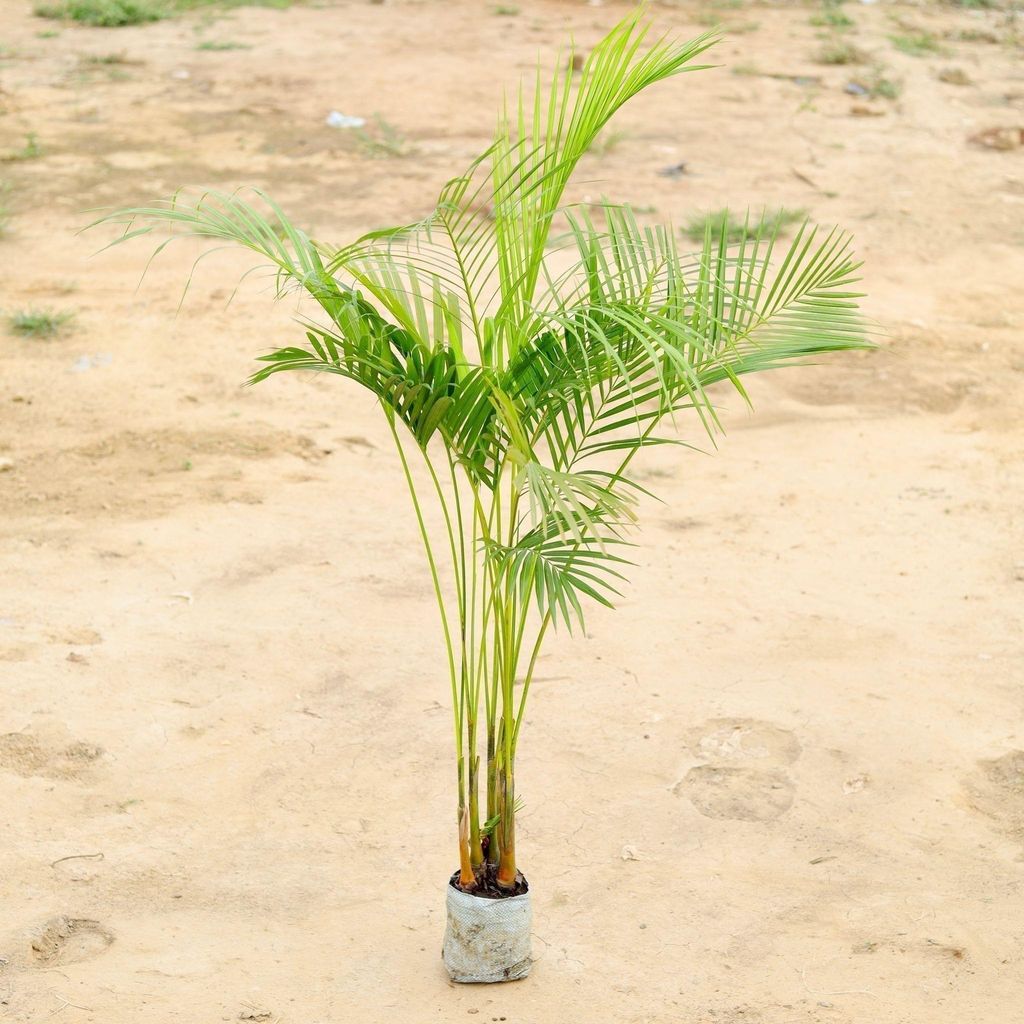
487, 940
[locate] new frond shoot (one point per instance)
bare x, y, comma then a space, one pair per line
527, 378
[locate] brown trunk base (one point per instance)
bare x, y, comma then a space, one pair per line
486, 884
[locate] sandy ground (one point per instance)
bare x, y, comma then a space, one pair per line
783, 783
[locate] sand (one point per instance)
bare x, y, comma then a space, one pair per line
783, 782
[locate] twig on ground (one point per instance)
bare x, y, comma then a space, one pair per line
77, 856
66, 1003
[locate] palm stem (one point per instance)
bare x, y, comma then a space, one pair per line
456, 702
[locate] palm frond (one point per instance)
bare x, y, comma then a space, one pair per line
651, 339
539, 145
259, 226
555, 573
577, 503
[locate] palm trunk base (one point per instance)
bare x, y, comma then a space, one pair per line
487, 883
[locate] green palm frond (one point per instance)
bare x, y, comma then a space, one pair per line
577, 503
616, 367
565, 548
540, 144
556, 573
429, 394
260, 226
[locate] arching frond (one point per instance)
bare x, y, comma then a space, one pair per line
618, 367
557, 573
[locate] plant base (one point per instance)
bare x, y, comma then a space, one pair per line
487, 940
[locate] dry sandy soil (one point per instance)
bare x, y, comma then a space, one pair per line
783, 783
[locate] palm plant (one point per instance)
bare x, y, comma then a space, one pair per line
528, 367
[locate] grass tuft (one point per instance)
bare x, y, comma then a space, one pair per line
106, 58
211, 44
737, 228
884, 88
384, 142
104, 13
38, 323
839, 52
877, 85
832, 16
117, 13
917, 44
29, 151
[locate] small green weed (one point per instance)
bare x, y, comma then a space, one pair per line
877, 85
107, 58
38, 323
917, 44
838, 52
385, 142
832, 16
29, 151
116, 13
211, 44
738, 228
884, 88
104, 13
972, 35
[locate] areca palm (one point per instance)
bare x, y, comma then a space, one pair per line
528, 371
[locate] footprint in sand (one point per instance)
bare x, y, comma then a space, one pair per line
743, 739
50, 755
64, 940
745, 777
996, 790
739, 794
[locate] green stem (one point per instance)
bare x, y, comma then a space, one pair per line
476, 853
456, 702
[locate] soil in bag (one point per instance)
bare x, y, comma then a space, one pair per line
487, 884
